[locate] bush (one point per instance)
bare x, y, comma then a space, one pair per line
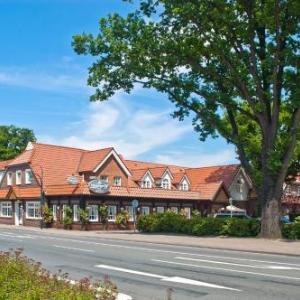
208, 226
83, 217
241, 227
146, 223
169, 222
122, 219
67, 220
292, 231
24, 279
103, 214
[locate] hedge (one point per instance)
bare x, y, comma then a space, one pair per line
292, 231
200, 226
23, 279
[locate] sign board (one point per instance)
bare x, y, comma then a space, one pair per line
135, 203
99, 186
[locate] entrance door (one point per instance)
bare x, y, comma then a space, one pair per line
18, 213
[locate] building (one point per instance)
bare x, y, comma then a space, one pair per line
79, 178
291, 198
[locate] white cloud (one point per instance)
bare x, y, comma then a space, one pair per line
132, 131
41, 80
199, 159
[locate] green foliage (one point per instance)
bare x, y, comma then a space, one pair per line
67, 219
169, 222
47, 214
122, 219
292, 230
208, 226
240, 227
233, 66
83, 216
147, 223
103, 214
24, 279
13, 140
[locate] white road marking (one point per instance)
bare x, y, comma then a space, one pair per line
237, 265
165, 251
122, 296
73, 248
166, 278
223, 269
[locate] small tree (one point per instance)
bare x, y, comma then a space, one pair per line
67, 219
83, 217
103, 214
47, 214
122, 219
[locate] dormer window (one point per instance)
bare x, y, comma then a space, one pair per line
18, 177
117, 181
28, 176
166, 184
184, 186
9, 178
146, 184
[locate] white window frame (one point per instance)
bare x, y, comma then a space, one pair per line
129, 209
174, 209
7, 207
288, 189
146, 184
93, 213
9, 178
160, 209
184, 186
298, 190
36, 206
1, 175
166, 184
18, 177
76, 217
145, 210
117, 181
112, 213
187, 212
54, 211
28, 176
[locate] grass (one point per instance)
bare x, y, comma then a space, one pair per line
24, 279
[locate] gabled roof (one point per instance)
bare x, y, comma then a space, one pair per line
5, 163
90, 159
213, 174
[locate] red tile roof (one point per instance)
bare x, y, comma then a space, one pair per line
4, 193
5, 163
90, 159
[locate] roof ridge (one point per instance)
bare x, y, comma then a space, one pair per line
59, 146
213, 166
89, 151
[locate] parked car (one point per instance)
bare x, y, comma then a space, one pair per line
226, 215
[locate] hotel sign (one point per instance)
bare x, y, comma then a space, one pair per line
99, 186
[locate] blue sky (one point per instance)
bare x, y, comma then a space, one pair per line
43, 87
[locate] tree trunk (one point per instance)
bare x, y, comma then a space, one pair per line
270, 223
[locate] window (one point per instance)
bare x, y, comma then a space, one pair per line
76, 217
117, 181
18, 177
9, 178
54, 210
112, 211
6, 209
174, 209
298, 190
160, 209
145, 210
184, 186
288, 189
129, 209
1, 175
146, 184
28, 176
33, 210
187, 212
104, 179
93, 213
166, 184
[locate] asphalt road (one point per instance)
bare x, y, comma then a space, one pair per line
147, 271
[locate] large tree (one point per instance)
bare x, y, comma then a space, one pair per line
13, 140
232, 64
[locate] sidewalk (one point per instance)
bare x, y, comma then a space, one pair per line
286, 247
